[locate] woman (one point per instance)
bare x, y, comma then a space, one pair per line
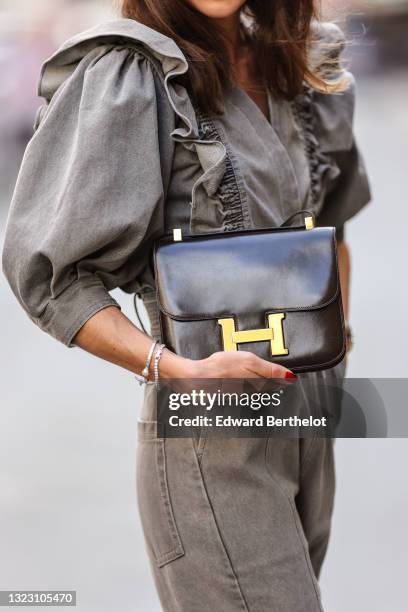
201, 115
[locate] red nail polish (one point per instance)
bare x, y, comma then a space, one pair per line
290, 375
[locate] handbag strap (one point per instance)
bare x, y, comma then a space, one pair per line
304, 212
137, 313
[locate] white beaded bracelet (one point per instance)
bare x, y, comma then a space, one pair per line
156, 362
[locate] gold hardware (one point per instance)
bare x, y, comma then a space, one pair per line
309, 223
273, 334
177, 235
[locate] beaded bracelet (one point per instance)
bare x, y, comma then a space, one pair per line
156, 362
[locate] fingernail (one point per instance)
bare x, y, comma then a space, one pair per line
290, 375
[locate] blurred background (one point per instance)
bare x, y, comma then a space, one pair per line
68, 517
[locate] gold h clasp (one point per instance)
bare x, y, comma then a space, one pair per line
273, 334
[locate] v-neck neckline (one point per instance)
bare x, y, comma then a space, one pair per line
269, 134
254, 106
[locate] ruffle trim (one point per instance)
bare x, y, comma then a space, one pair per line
304, 110
328, 44
230, 190
322, 167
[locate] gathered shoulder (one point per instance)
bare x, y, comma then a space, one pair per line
118, 34
327, 45
334, 111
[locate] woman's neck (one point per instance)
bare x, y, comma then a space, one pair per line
231, 30
244, 68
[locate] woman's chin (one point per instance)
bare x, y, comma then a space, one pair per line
217, 9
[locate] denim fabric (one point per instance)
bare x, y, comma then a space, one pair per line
234, 524
118, 157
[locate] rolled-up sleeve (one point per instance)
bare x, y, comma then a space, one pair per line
89, 196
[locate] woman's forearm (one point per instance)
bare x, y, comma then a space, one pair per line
344, 270
110, 335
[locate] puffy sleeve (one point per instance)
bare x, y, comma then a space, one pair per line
89, 196
342, 174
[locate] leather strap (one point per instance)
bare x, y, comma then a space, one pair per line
303, 212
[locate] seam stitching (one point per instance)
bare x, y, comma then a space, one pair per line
243, 600
293, 512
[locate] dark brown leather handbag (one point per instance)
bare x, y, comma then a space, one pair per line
274, 292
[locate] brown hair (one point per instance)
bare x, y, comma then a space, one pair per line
282, 35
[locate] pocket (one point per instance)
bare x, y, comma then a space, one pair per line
154, 499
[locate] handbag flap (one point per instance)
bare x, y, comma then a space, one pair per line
231, 274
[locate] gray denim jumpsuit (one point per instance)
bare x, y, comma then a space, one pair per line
119, 156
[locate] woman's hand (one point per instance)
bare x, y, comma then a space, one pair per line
241, 364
